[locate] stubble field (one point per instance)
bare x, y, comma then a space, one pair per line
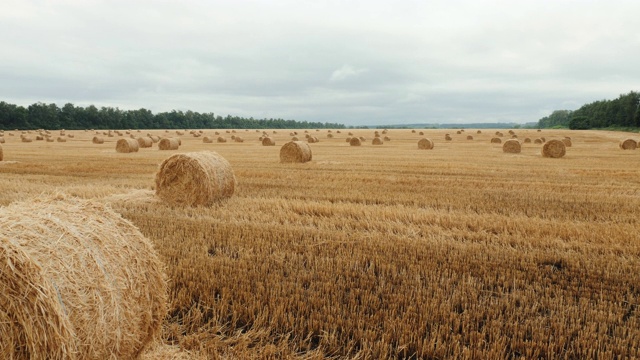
378, 252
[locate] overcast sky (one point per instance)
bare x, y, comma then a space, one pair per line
352, 62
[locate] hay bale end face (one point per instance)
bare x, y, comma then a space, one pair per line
425, 144
554, 149
267, 141
221, 139
496, 140
512, 146
127, 145
169, 144
567, 142
354, 141
144, 142
376, 141
628, 144
97, 292
295, 152
97, 140
195, 179
207, 140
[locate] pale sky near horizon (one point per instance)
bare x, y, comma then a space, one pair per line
352, 62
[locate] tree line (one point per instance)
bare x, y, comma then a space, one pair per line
622, 112
52, 117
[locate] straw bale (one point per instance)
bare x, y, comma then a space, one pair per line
567, 142
312, 139
127, 145
554, 149
514, 136
233, 137
195, 178
169, 144
469, 137
413, 131
221, 139
267, 141
348, 139
448, 137
1, 140
537, 141
144, 142
26, 139
238, 139
362, 138
329, 136
351, 134
39, 137
49, 139
295, 152
628, 144
97, 140
355, 141
425, 144
376, 141
421, 133
61, 139
295, 138
71, 136
527, 140
543, 139
512, 146
80, 281
154, 138
496, 140
207, 140
386, 138
458, 132
479, 132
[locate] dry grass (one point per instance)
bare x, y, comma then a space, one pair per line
76, 281
383, 254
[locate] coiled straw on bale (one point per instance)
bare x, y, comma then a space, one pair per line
267, 141
425, 144
295, 152
496, 140
196, 178
97, 140
169, 144
127, 145
144, 142
512, 146
628, 144
376, 141
77, 282
554, 149
61, 139
355, 141
221, 139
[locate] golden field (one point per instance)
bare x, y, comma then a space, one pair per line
380, 252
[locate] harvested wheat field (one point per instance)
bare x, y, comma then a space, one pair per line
459, 253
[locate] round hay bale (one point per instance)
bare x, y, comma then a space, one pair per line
39, 137
554, 149
179, 133
295, 152
61, 139
71, 136
537, 141
26, 139
221, 139
479, 132
448, 137
168, 144
527, 140
329, 136
421, 133
496, 140
469, 137
498, 133
2, 140
238, 139
79, 281
628, 144
207, 140
413, 131
512, 146
351, 134
376, 141
144, 142
97, 140
313, 139
295, 138
348, 139
267, 141
49, 139
539, 130
233, 137
567, 142
386, 138
543, 139
154, 138
514, 136
362, 138
127, 145
458, 132
195, 178
425, 144
355, 141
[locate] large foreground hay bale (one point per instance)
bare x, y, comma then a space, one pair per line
127, 145
628, 144
355, 141
97, 140
512, 146
195, 178
267, 141
169, 144
78, 282
554, 149
295, 152
144, 142
425, 144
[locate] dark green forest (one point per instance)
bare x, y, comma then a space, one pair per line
622, 112
52, 117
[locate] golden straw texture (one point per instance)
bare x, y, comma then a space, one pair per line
169, 144
628, 144
77, 281
295, 152
512, 146
425, 144
127, 145
196, 178
554, 149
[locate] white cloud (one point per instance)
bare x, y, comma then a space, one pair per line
346, 71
